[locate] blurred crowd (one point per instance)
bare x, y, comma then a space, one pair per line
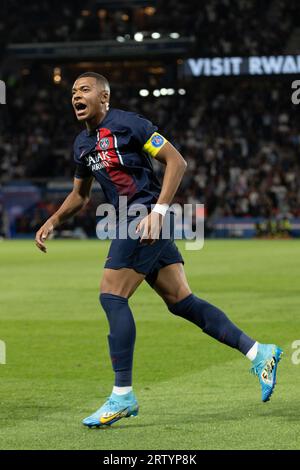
80, 226
239, 135
241, 139
243, 147
220, 27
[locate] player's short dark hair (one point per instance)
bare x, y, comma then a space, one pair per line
100, 78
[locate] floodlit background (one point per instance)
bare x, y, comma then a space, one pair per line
210, 74
216, 77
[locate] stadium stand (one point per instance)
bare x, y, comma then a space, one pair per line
215, 24
240, 135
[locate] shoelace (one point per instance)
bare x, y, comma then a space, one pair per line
112, 403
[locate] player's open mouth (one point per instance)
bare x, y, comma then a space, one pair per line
80, 108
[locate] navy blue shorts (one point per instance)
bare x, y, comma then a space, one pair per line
145, 259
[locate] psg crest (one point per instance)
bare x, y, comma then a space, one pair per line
157, 140
104, 143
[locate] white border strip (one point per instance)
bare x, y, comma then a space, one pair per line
117, 150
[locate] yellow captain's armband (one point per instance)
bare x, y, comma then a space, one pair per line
154, 144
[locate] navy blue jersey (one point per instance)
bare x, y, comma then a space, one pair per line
118, 154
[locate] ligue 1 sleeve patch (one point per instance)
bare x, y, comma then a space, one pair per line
154, 144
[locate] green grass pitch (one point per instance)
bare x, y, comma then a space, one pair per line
194, 393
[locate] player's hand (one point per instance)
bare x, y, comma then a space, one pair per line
150, 228
41, 236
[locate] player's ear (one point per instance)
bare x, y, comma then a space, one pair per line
104, 96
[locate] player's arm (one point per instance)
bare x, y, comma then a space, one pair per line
73, 203
175, 168
175, 164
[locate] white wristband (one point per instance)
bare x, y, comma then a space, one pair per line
161, 208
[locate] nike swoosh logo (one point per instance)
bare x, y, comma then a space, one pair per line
112, 417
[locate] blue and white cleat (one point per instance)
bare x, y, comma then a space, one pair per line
265, 367
116, 407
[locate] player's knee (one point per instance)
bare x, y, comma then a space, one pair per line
108, 286
174, 298
121, 282
112, 302
104, 286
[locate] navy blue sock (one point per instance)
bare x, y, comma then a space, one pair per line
121, 338
212, 321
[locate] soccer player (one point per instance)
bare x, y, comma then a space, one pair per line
116, 148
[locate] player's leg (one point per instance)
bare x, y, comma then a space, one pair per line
171, 284
126, 266
122, 282
116, 287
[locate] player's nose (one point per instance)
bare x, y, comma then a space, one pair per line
76, 96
